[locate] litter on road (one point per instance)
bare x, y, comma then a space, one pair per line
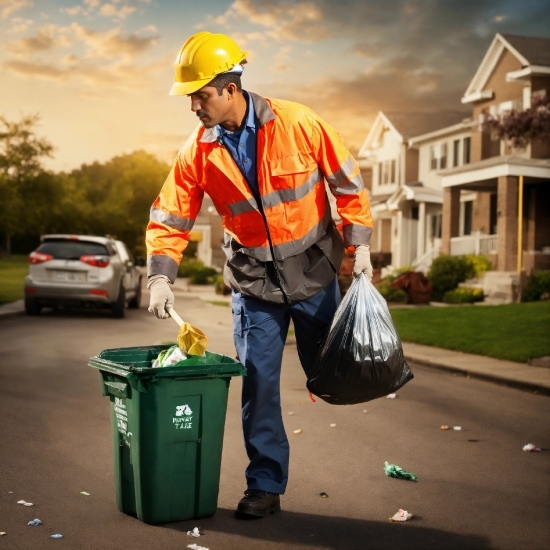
290, 413
391, 396
365, 410
196, 532
323, 495
56, 536
530, 448
402, 515
457, 428
35, 522
25, 503
333, 425
2, 533
393, 470
196, 547
297, 431
85, 493
443, 427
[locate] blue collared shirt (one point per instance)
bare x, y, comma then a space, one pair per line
242, 146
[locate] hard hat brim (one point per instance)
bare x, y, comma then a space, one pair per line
186, 88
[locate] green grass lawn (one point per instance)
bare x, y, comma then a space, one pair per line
516, 332
12, 272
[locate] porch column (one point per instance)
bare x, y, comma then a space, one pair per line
399, 240
421, 235
507, 223
450, 221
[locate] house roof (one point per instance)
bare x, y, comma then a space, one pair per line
533, 53
415, 124
536, 51
407, 125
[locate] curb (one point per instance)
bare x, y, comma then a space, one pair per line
518, 384
13, 308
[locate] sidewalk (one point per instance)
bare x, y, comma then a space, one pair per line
519, 375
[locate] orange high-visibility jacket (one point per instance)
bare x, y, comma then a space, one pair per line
288, 249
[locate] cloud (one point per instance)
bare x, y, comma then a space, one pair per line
77, 52
110, 44
119, 75
110, 10
18, 24
7, 7
115, 9
302, 20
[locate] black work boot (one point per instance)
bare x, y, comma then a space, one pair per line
258, 504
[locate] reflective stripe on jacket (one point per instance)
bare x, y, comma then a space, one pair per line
289, 242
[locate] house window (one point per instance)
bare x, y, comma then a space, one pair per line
435, 227
433, 157
414, 212
442, 156
456, 153
466, 150
493, 215
468, 211
386, 172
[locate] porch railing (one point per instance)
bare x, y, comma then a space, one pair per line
477, 243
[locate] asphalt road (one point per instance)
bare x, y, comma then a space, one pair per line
476, 488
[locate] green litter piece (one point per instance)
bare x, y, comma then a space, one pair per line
393, 470
85, 493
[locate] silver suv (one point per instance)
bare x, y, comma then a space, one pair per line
81, 270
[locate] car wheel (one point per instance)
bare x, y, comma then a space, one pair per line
118, 308
32, 307
135, 302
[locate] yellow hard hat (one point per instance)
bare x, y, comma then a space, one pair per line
201, 58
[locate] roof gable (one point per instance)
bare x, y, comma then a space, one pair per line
529, 51
380, 125
406, 126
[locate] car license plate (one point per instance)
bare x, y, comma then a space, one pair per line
70, 276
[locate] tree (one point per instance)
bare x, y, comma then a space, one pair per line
522, 127
21, 154
117, 195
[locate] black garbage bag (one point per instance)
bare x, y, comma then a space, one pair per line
361, 357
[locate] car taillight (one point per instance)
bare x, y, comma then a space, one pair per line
38, 258
96, 261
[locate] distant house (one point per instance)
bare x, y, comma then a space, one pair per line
480, 199
406, 195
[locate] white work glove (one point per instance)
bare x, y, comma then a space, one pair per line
161, 295
361, 261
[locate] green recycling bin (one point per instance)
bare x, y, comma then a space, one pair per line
167, 429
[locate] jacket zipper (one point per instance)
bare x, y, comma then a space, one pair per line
262, 213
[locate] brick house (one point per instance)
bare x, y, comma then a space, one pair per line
406, 196
480, 199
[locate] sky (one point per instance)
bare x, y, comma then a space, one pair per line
98, 72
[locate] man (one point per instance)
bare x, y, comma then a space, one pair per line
264, 163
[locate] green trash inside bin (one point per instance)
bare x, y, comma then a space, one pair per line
167, 430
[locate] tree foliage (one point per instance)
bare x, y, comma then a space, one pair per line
522, 127
25, 187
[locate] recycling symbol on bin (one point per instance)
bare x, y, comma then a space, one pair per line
183, 410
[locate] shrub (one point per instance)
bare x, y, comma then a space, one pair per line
479, 264
197, 272
220, 287
188, 265
446, 272
391, 294
538, 287
463, 296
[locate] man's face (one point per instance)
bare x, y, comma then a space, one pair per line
210, 107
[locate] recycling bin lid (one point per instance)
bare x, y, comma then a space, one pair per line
136, 361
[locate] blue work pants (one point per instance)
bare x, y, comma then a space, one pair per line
260, 329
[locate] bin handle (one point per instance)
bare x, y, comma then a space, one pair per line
118, 389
